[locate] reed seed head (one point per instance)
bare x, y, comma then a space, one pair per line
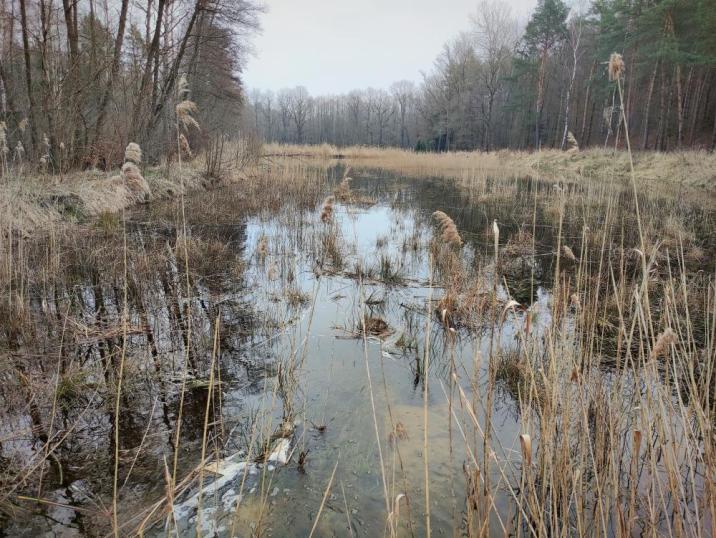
185, 111
448, 229
663, 342
133, 153
616, 66
568, 253
526, 445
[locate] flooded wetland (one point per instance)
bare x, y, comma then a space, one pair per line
339, 351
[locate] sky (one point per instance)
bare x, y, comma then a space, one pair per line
335, 46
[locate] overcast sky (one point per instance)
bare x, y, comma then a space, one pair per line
334, 46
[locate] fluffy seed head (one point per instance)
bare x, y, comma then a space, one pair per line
184, 146
573, 145
526, 445
448, 229
133, 153
185, 114
327, 210
616, 66
663, 342
23, 125
567, 253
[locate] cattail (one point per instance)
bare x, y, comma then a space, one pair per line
184, 146
573, 145
448, 229
663, 342
526, 445
46, 141
185, 111
616, 66
133, 153
567, 252
62, 146
327, 210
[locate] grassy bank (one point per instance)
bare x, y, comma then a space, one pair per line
695, 169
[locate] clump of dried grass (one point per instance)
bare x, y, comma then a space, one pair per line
448, 230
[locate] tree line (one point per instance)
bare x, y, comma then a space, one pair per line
79, 79
500, 84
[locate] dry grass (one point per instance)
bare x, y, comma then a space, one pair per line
671, 170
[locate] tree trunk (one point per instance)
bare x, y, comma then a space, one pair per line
583, 139
147, 72
168, 86
647, 107
713, 135
114, 70
28, 77
679, 107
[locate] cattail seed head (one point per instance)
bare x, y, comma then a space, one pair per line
568, 253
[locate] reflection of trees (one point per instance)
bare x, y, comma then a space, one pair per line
65, 344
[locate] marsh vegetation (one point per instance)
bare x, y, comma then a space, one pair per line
360, 351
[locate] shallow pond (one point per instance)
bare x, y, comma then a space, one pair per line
318, 333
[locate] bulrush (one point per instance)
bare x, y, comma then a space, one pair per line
327, 210
448, 230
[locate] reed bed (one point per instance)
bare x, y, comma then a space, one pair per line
611, 379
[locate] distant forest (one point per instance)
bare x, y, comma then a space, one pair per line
79, 79
502, 85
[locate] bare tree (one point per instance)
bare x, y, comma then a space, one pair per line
404, 94
496, 34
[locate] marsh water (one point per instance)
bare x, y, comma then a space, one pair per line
279, 303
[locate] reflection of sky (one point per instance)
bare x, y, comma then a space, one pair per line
334, 382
